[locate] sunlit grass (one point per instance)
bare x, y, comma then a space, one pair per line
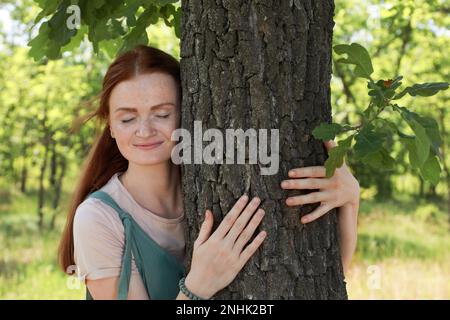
399, 279
28, 267
403, 252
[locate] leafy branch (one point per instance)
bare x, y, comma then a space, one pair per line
113, 26
369, 135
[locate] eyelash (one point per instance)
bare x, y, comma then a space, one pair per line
162, 117
165, 116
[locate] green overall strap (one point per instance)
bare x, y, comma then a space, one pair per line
125, 273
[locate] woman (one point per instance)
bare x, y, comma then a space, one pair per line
137, 201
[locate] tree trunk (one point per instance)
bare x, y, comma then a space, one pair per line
444, 157
262, 65
24, 173
421, 187
46, 142
58, 189
41, 194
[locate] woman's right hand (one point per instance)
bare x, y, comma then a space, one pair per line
217, 259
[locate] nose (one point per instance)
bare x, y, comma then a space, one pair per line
145, 129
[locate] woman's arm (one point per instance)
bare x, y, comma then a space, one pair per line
341, 191
106, 289
216, 259
348, 221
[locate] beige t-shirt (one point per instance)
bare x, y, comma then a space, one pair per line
98, 235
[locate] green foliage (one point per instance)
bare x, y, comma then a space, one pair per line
358, 56
423, 89
111, 26
371, 145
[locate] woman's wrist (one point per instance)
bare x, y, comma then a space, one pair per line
196, 288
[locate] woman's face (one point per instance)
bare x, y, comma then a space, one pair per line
144, 112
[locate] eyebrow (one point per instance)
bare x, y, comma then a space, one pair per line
156, 106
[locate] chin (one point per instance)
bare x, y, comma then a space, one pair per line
149, 161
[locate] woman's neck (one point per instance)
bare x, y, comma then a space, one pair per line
156, 188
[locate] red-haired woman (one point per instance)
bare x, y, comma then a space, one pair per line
124, 231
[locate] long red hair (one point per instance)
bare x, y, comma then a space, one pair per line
105, 159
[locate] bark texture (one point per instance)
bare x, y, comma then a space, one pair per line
263, 65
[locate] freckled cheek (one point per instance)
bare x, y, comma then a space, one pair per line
167, 130
124, 135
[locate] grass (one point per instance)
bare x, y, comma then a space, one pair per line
28, 267
403, 252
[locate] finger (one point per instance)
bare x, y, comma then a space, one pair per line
205, 229
248, 232
231, 217
308, 183
308, 172
330, 144
241, 222
317, 213
312, 197
251, 248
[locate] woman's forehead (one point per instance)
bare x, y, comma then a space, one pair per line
144, 91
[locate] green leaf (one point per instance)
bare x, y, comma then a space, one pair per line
423, 89
176, 22
336, 156
432, 130
422, 141
379, 159
59, 32
368, 141
75, 42
410, 145
48, 7
111, 47
39, 43
357, 55
327, 131
369, 112
431, 170
377, 93
138, 34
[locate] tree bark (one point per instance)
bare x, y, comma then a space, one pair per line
57, 189
46, 142
263, 65
446, 169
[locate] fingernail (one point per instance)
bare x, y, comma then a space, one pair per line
244, 197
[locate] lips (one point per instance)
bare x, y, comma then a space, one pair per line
149, 146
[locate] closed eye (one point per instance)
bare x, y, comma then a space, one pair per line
127, 120
163, 116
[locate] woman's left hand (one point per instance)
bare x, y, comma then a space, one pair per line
342, 189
